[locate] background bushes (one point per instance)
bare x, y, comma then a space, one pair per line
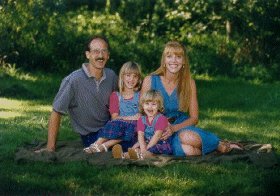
229, 38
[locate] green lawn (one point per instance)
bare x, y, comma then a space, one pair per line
232, 109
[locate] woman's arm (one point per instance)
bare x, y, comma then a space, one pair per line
154, 140
193, 110
193, 114
146, 85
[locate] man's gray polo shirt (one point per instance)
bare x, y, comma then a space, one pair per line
85, 99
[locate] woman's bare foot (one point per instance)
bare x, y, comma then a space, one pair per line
225, 146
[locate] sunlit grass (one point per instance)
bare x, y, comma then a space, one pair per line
10, 104
7, 115
10, 108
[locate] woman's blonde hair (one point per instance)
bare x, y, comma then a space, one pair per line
184, 76
151, 95
130, 67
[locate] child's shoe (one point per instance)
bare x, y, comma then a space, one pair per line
117, 152
93, 148
134, 154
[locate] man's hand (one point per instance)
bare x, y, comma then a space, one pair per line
44, 150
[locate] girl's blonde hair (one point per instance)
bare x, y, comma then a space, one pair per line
184, 75
130, 67
151, 95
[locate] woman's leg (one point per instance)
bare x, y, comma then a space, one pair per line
191, 143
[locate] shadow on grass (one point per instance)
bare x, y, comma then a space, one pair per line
22, 183
42, 89
77, 178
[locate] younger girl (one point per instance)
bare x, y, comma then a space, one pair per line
150, 128
124, 111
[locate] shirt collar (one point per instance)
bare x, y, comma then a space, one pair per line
84, 67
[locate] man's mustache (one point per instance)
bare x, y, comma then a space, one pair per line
101, 58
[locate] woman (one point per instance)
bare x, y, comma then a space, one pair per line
173, 80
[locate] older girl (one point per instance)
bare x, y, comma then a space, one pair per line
124, 111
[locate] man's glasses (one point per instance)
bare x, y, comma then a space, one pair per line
98, 51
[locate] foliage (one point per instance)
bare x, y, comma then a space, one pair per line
234, 38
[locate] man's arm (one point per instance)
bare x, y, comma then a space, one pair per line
53, 128
54, 123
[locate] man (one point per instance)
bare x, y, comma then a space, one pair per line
84, 95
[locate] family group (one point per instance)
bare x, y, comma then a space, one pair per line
133, 118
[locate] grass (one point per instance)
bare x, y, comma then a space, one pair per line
232, 109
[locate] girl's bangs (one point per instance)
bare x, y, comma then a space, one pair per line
151, 98
131, 70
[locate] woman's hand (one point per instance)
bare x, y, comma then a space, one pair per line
167, 133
